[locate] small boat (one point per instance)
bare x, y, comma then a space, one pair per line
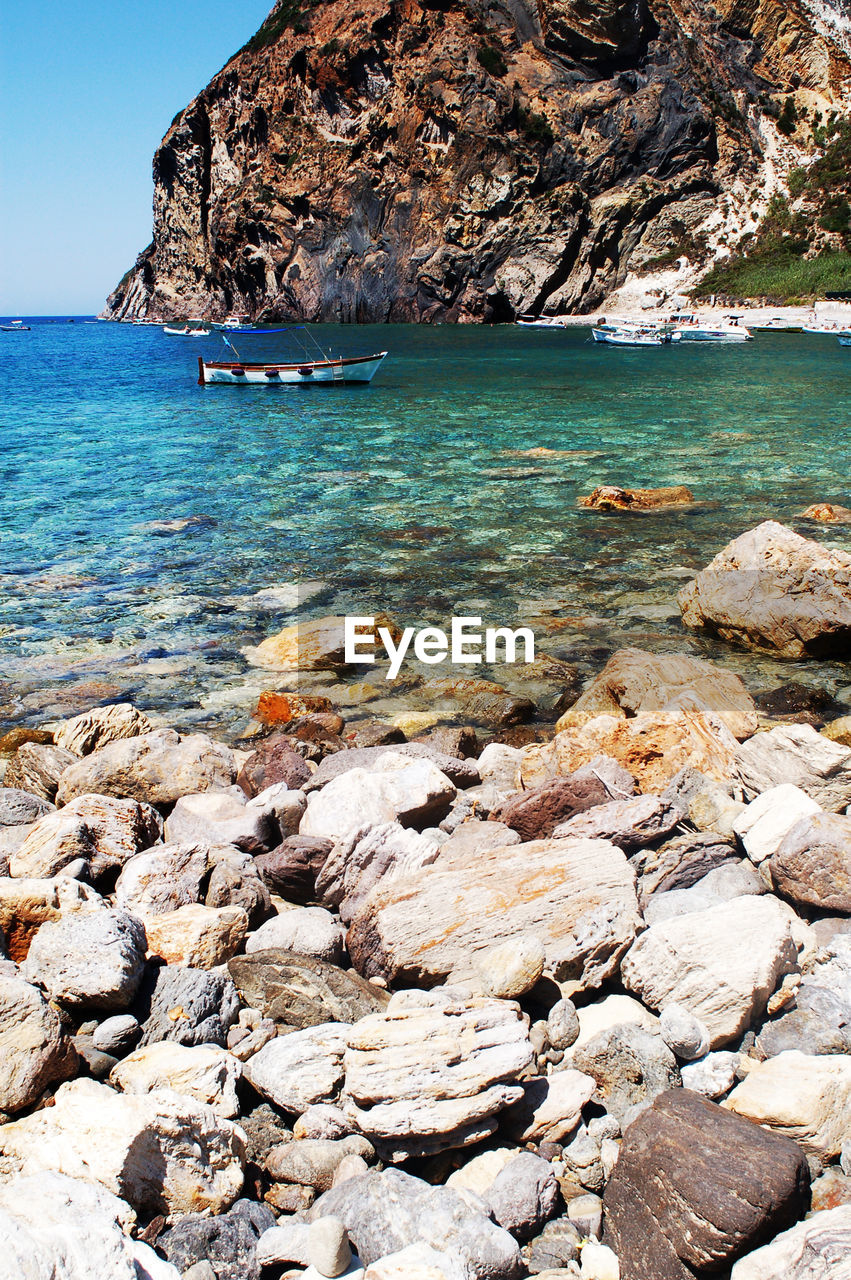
15, 326
270, 373
541, 322
634, 336
845, 338
777, 325
237, 323
192, 329
691, 329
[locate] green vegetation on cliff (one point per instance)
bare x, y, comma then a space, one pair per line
802, 246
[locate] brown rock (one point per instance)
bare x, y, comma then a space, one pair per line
292, 868
652, 747
482, 701
302, 991
273, 761
576, 896
630, 824
691, 1188
774, 591
827, 513
609, 497
37, 768
14, 738
813, 863
315, 646
275, 709
633, 682
535, 814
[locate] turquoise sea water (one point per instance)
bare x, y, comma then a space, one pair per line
412, 495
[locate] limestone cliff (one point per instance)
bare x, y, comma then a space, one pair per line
466, 160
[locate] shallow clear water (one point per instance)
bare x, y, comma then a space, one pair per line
412, 495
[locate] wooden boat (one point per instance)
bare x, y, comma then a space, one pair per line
15, 326
273, 373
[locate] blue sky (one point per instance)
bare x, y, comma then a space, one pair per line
88, 90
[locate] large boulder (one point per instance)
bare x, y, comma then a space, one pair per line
691, 1187
187, 1005
396, 788
36, 768
389, 1211
310, 931
203, 1072
817, 1249
222, 817
291, 869
162, 879
461, 772
297, 1070
157, 768
577, 896
634, 682
763, 823
196, 935
26, 904
91, 960
653, 747
302, 991
629, 824
534, 814
804, 1096
433, 1072
774, 591
161, 1152
58, 1228
796, 753
367, 855
722, 964
96, 728
34, 1049
101, 831
813, 863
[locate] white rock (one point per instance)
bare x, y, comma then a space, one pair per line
722, 964
163, 1152
35, 1052
551, 1106
287, 806
481, 1172
162, 879
720, 885
819, 1248
611, 1012
511, 969
499, 764
683, 1033
58, 1228
363, 857
417, 1262
796, 753
93, 729
807, 1097
599, 1262
762, 825
198, 936
311, 931
712, 1075
221, 817
396, 788
302, 1068
322, 1121
92, 959
25, 904
203, 1072
328, 1247
157, 767
287, 1242
104, 832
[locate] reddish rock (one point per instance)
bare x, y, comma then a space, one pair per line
535, 814
273, 761
610, 497
280, 708
292, 868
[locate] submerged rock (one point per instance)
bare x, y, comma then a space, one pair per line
609, 497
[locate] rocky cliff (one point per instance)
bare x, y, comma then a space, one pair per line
466, 160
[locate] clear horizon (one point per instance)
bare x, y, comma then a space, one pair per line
90, 92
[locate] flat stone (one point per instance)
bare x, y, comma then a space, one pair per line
199, 936
722, 964
297, 1070
394, 789
611, 497
34, 1048
797, 754
416, 1262
630, 824
773, 591
92, 960
803, 1096
157, 768
433, 1072
577, 896
762, 825
653, 747
101, 831
163, 1152
203, 1072
634, 682
390, 1211
302, 991
817, 1249
813, 863
93, 729
684, 1191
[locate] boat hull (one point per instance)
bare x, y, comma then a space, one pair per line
357, 369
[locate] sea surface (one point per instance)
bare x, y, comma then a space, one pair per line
152, 531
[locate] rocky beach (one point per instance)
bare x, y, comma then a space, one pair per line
453, 998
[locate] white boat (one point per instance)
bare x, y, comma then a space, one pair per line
637, 336
692, 329
541, 322
15, 326
343, 370
845, 338
239, 323
777, 324
191, 329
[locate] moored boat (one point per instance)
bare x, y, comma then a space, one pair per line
189, 330
845, 338
15, 326
634, 336
541, 322
692, 329
349, 369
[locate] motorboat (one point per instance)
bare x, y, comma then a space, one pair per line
349, 369
541, 322
192, 329
634, 336
692, 329
845, 338
15, 326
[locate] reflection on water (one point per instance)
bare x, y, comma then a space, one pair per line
142, 515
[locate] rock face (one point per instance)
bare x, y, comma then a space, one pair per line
684, 1189
160, 1152
633, 682
722, 964
157, 767
34, 1049
456, 164
386, 1212
776, 592
817, 1249
577, 896
432, 1072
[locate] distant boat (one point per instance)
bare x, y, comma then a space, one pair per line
542, 322
692, 329
15, 326
777, 325
192, 329
648, 336
845, 338
237, 323
239, 372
